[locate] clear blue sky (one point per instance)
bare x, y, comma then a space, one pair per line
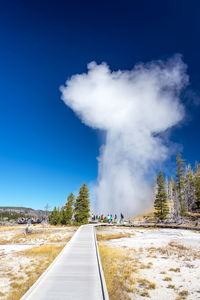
45, 151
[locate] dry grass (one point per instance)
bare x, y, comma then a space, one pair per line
121, 270
118, 272
29, 264
145, 294
50, 235
8, 228
175, 270
49, 251
183, 293
111, 236
167, 278
178, 246
148, 266
44, 255
176, 250
22, 237
171, 286
146, 283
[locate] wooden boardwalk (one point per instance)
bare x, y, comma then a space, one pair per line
76, 273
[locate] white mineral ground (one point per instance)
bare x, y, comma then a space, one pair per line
13, 241
160, 247
163, 249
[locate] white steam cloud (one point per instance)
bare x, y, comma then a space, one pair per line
133, 108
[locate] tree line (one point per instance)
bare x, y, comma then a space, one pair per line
8, 216
176, 197
74, 211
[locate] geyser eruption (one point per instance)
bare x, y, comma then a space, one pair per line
133, 108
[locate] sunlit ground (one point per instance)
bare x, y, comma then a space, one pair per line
150, 263
23, 258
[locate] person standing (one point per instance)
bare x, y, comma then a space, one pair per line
122, 219
108, 218
115, 219
111, 219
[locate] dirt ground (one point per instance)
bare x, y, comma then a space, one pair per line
24, 257
164, 263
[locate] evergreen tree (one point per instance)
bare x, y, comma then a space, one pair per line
68, 209
53, 217
189, 195
61, 218
154, 189
82, 206
160, 203
197, 187
180, 182
170, 198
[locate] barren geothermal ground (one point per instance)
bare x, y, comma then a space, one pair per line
158, 264
23, 258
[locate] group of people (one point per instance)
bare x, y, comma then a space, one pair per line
114, 220
32, 220
109, 218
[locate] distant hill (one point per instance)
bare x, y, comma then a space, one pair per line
25, 211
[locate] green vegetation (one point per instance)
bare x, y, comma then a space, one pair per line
6, 215
68, 209
180, 182
77, 210
16, 207
197, 186
54, 216
82, 206
175, 199
160, 203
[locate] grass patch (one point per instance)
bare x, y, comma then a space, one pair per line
44, 255
175, 270
167, 278
50, 235
145, 294
183, 293
15, 285
146, 283
118, 272
178, 246
48, 251
148, 266
111, 236
171, 286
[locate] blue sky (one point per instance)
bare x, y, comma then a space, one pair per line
45, 150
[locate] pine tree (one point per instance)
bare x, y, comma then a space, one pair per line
197, 187
154, 189
68, 209
61, 218
160, 203
189, 196
180, 182
170, 198
177, 210
53, 217
82, 206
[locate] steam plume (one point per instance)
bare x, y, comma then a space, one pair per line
133, 108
